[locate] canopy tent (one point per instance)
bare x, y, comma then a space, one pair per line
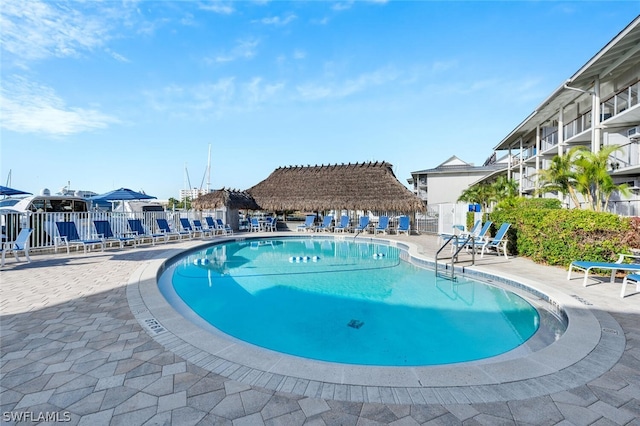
122, 194
6, 191
360, 186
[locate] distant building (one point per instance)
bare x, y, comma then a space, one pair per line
192, 194
446, 182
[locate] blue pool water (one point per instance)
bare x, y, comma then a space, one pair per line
348, 302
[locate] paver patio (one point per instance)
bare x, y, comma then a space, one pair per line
73, 351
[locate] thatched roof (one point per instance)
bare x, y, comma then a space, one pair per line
230, 198
365, 186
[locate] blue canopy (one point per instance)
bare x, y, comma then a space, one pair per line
122, 194
5, 190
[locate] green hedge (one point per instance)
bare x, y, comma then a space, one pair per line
557, 236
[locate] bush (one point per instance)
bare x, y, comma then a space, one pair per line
558, 237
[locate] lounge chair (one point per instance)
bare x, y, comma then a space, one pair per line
404, 225
308, 224
343, 225
204, 231
212, 225
273, 225
68, 235
164, 227
104, 231
224, 228
383, 225
138, 230
586, 266
326, 224
20, 244
475, 229
186, 227
627, 280
363, 224
471, 241
498, 242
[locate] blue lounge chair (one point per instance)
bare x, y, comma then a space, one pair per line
104, 231
273, 225
383, 225
186, 227
204, 231
212, 225
68, 235
627, 280
343, 226
475, 241
20, 244
475, 229
224, 228
586, 266
363, 224
138, 230
404, 225
164, 227
308, 224
498, 242
326, 224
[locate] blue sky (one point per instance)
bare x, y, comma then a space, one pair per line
110, 94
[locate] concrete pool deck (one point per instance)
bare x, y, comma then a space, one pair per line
79, 341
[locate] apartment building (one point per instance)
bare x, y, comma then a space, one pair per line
446, 182
599, 105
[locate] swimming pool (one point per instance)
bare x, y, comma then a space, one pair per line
348, 302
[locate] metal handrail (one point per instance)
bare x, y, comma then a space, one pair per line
454, 256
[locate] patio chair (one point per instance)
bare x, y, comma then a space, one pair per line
164, 227
587, 266
363, 224
383, 225
273, 226
204, 231
627, 280
475, 229
404, 225
186, 227
325, 225
343, 225
20, 244
471, 241
255, 225
212, 225
138, 230
104, 231
68, 235
224, 228
308, 224
498, 242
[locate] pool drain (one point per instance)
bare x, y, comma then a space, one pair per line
355, 324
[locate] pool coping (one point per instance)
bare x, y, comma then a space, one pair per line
591, 345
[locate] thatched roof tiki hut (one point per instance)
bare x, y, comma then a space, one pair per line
231, 201
360, 186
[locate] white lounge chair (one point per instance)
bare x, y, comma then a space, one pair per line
68, 235
20, 244
627, 280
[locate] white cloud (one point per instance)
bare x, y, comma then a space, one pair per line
34, 30
115, 55
202, 101
344, 5
299, 54
362, 83
244, 49
278, 21
222, 8
29, 107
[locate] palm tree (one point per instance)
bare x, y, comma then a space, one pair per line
481, 193
504, 188
593, 178
560, 176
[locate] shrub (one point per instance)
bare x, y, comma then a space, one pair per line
558, 236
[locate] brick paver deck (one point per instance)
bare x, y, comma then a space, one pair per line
73, 351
